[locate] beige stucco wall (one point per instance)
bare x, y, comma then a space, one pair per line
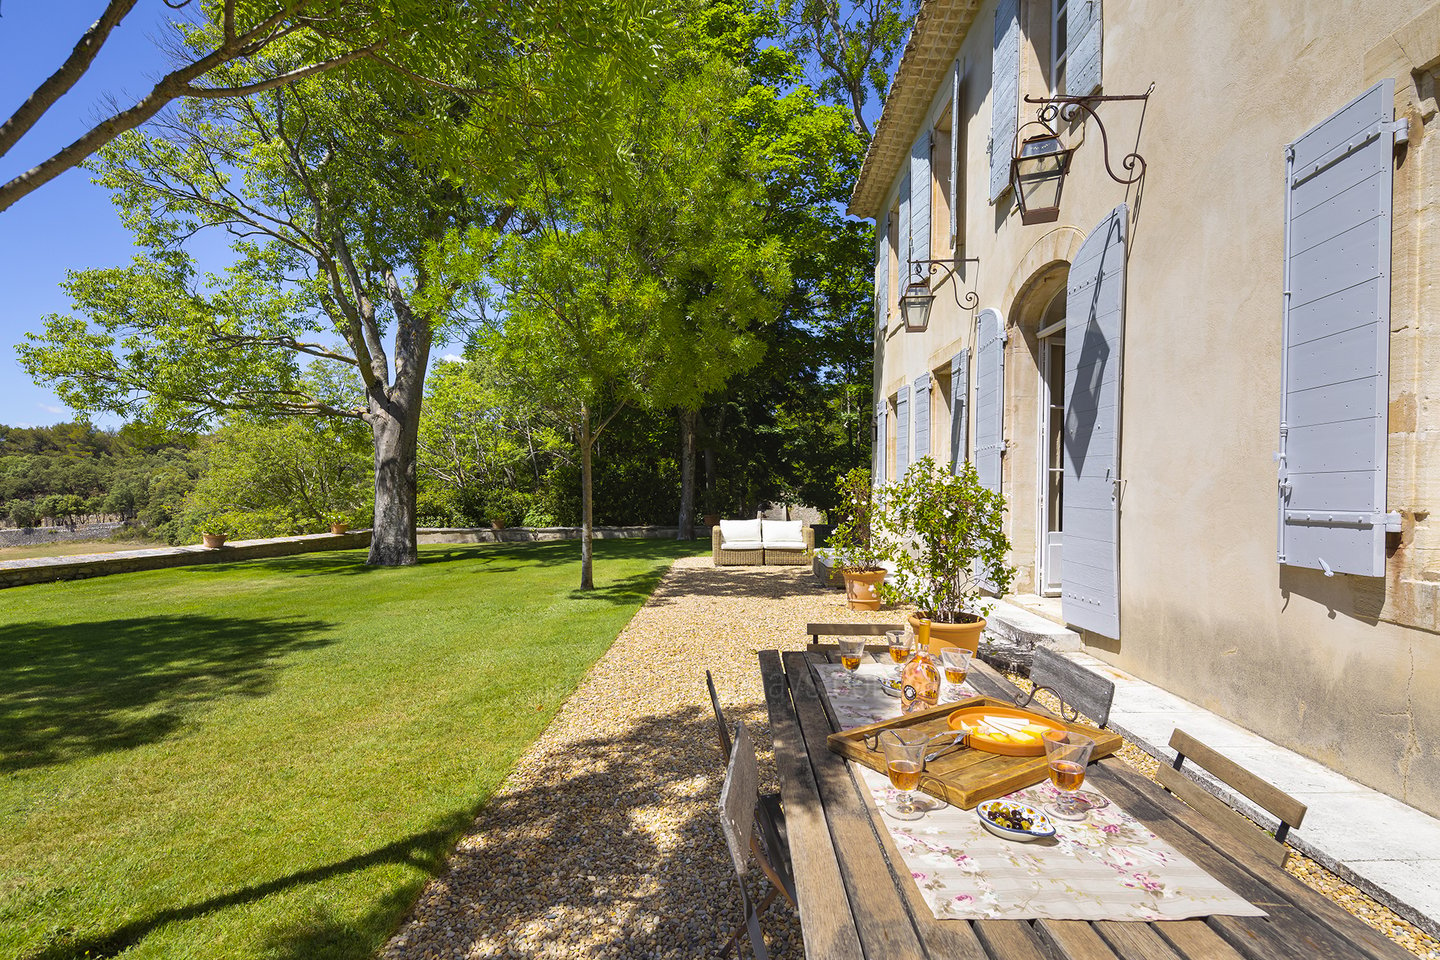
1346, 669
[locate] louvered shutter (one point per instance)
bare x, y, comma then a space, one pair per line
902, 432
959, 408
1082, 60
989, 406
922, 416
878, 476
882, 273
1336, 363
1004, 94
954, 159
1094, 324
903, 254
921, 186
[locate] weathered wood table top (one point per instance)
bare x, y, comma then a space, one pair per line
857, 899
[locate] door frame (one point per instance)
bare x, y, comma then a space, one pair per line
1044, 586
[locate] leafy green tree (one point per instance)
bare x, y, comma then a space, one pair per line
359, 209
642, 288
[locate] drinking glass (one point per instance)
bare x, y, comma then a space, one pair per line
956, 661
902, 646
904, 761
1068, 753
851, 650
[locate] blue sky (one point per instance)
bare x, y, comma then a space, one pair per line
68, 223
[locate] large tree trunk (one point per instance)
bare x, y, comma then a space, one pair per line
688, 421
395, 429
587, 554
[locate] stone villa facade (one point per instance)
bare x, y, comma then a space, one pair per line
1211, 396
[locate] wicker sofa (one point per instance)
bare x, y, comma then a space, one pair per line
755, 542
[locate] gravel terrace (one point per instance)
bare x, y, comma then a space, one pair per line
605, 842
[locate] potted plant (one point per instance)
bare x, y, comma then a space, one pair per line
216, 529
853, 545
946, 532
339, 521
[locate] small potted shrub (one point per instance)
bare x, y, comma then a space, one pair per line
339, 522
853, 544
944, 531
216, 529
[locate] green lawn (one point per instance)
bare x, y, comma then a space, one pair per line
268, 759
71, 548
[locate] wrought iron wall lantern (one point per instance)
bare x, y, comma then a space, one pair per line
917, 299
1039, 163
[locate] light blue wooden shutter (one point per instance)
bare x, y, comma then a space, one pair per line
904, 248
1094, 325
959, 408
956, 170
882, 274
1082, 60
902, 432
921, 187
1004, 94
989, 406
1336, 361
922, 416
878, 474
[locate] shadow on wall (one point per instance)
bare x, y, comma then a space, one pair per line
1358, 598
77, 690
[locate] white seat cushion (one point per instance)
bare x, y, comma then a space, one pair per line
784, 534
740, 534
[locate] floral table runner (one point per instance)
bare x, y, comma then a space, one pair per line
1109, 866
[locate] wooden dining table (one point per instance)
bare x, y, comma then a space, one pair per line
857, 900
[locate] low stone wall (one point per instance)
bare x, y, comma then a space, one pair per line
57, 533
532, 534
14, 573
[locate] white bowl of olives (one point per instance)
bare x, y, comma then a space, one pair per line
1014, 821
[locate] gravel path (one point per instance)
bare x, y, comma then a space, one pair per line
604, 841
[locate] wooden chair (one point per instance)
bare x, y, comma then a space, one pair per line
739, 813
1080, 689
1289, 811
818, 630
768, 813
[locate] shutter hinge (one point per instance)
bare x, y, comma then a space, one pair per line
1392, 522
1401, 129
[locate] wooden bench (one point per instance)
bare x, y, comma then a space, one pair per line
1089, 694
1289, 811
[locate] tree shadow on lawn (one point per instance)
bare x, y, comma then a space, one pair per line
79, 689
323, 938
491, 557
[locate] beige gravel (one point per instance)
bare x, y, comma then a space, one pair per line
604, 841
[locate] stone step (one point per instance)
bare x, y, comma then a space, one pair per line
1012, 632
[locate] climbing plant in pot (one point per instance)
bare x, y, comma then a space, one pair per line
856, 550
216, 529
946, 534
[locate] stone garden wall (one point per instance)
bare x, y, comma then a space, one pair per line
58, 533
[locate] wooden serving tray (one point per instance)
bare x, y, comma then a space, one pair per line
965, 776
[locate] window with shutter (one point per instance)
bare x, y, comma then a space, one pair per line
877, 475
921, 186
1004, 94
1079, 35
882, 273
902, 432
1094, 326
989, 404
959, 408
1336, 340
922, 416
903, 250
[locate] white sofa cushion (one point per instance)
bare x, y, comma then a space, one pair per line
784, 534
740, 534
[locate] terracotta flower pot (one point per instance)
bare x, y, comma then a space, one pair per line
860, 586
944, 635
339, 528
213, 540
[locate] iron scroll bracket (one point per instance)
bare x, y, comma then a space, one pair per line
949, 267
1068, 109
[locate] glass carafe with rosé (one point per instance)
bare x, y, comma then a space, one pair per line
920, 680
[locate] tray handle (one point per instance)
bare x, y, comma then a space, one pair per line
1068, 713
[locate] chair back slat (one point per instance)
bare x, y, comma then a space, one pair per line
1280, 804
722, 731
738, 796
1092, 695
818, 630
